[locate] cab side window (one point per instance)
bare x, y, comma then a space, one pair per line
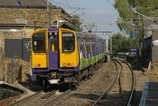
68, 42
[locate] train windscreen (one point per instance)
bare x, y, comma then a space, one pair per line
38, 42
68, 42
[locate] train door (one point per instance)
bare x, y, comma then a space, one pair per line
53, 50
39, 49
69, 53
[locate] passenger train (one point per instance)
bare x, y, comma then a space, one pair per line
61, 55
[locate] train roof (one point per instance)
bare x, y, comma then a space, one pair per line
79, 34
87, 35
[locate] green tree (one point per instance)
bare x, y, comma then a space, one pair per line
121, 43
127, 16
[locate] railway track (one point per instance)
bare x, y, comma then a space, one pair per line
50, 101
111, 82
131, 93
97, 96
109, 86
115, 93
66, 98
39, 99
70, 98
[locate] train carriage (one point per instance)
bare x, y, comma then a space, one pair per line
61, 55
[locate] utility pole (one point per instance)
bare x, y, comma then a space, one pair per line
49, 13
145, 17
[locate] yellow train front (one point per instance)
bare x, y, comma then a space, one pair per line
60, 55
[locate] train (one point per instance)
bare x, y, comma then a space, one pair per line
62, 55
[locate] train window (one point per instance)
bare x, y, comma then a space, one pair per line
84, 49
68, 42
38, 42
93, 47
88, 48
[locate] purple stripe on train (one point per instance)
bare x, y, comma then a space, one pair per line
36, 71
75, 69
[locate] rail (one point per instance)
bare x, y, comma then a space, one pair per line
133, 83
109, 87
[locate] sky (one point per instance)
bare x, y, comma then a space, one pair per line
101, 13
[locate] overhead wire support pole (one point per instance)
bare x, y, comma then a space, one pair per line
146, 17
110, 43
49, 13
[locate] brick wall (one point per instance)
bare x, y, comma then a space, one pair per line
27, 15
7, 34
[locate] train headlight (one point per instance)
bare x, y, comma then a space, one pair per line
64, 64
72, 64
35, 65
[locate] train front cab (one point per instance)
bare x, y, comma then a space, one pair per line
39, 54
54, 54
69, 54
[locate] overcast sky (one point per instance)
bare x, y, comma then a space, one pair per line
100, 12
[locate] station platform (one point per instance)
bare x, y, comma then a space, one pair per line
150, 94
8, 93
